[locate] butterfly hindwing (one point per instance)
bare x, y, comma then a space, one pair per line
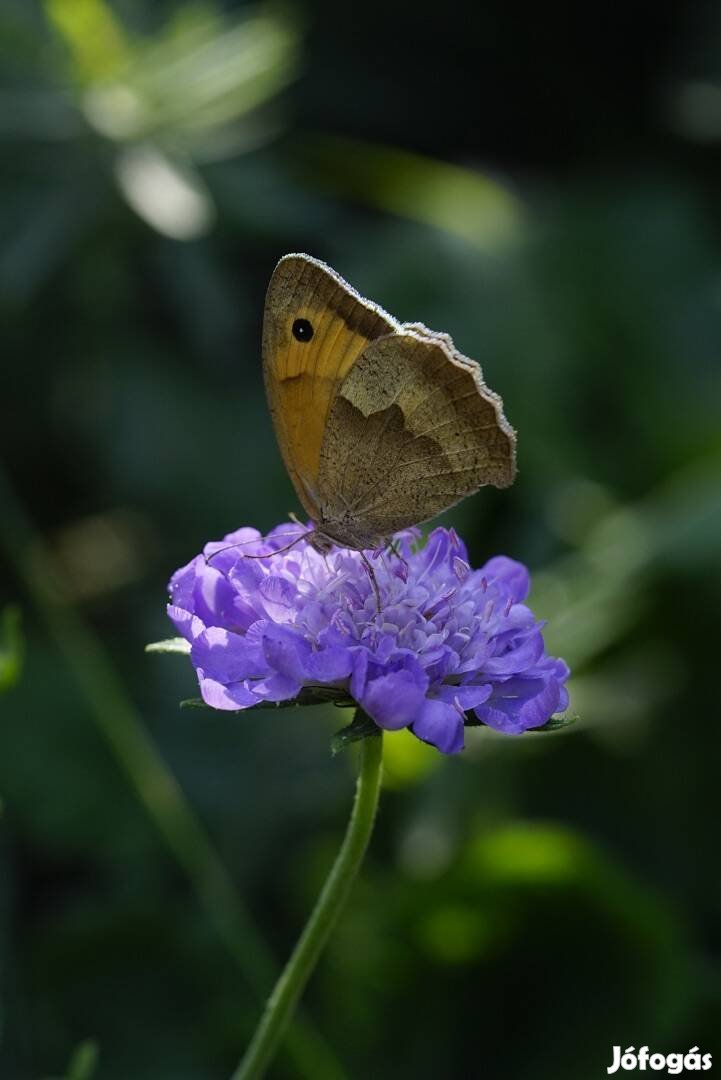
304, 369
411, 430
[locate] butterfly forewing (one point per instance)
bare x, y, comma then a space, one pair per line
411, 431
315, 328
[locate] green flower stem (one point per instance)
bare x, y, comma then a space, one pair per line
120, 724
286, 994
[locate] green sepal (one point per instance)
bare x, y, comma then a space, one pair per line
556, 723
361, 727
170, 645
308, 695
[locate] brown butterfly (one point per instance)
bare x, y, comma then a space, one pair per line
381, 425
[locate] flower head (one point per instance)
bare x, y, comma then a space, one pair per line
450, 645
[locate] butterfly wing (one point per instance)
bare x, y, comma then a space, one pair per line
412, 430
303, 368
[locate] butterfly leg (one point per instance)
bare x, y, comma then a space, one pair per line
374, 579
279, 551
395, 550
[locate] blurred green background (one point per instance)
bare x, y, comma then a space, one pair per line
544, 188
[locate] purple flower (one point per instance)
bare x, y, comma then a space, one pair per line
451, 645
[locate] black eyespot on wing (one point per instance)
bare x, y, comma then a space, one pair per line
302, 330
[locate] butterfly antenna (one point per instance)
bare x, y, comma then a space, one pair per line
244, 543
374, 579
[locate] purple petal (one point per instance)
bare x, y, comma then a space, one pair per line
541, 708
278, 598
245, 576
441, 725
328, 665
360, 673
227, 657
244, 614
276, 688
182, 584
219, 696
439, 669
187, 625
213, 597
435, 553
519, 704
512, 574
223, 554
385, 645
394, 700
286, 533
517, 659
468, 697
285, 651
519, 617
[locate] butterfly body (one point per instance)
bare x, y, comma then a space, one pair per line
381, 425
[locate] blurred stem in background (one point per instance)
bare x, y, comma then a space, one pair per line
283, 1002
83, 1062
465, 203
588, 606
151, 779
12, 647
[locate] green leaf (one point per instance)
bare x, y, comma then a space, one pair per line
170, 645
12, 647
361, 727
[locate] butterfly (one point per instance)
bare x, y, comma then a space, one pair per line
381, 425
